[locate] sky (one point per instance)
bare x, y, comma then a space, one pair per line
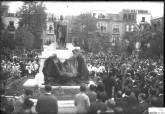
76, 8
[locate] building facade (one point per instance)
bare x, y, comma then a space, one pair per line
8, 17
112, 25
125, 22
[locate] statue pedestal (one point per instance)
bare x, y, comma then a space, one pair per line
62, 54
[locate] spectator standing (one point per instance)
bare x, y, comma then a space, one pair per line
98, 106
47, 103
143, 105
119, 110
120, 102
110, 106
26, 108
101, 90
161, 96
82, 101
20, 101
6, 106
152, 93
92, 94
109, 84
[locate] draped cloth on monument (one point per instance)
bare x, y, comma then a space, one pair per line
74, 67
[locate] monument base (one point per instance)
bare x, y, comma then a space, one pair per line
48, 51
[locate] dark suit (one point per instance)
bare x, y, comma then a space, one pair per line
121, 103
143, 106
134, 109
109, 82
160, 100
97, 105
47, 104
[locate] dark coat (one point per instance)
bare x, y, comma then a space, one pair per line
109, 82
143, 106
121, 103
134, 109
97, 105
92, 96
47, 104
160, 100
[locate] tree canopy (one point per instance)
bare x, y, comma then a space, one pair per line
84, 24
34, 18
151, 38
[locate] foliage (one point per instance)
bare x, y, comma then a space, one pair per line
24, 38
88, 22
6, 41
153, 36
99, 42
84, 24
33, 17
129, 40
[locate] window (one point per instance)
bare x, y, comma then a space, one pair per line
103, 27
115, 38
129, 18
125, 17
143, 19
127, 28
116, 29
132, 28
133, 18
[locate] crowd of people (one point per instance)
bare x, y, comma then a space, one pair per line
123, 85
92, 101
136, 83
17, 64
23, 62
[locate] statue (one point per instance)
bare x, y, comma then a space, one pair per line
51, 69
73, 68
61, 33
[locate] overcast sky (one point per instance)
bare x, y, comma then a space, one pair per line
75, 8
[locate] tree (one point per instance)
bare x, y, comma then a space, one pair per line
151, 38
33, 16
87, 22
84, 24
24, 38
129, 38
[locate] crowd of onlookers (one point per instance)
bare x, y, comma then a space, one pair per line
136, 82
20, 62
17, 64
92, 101
124, 85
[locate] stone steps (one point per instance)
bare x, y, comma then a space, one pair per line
64, 106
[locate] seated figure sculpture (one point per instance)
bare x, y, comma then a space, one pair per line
56, 72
